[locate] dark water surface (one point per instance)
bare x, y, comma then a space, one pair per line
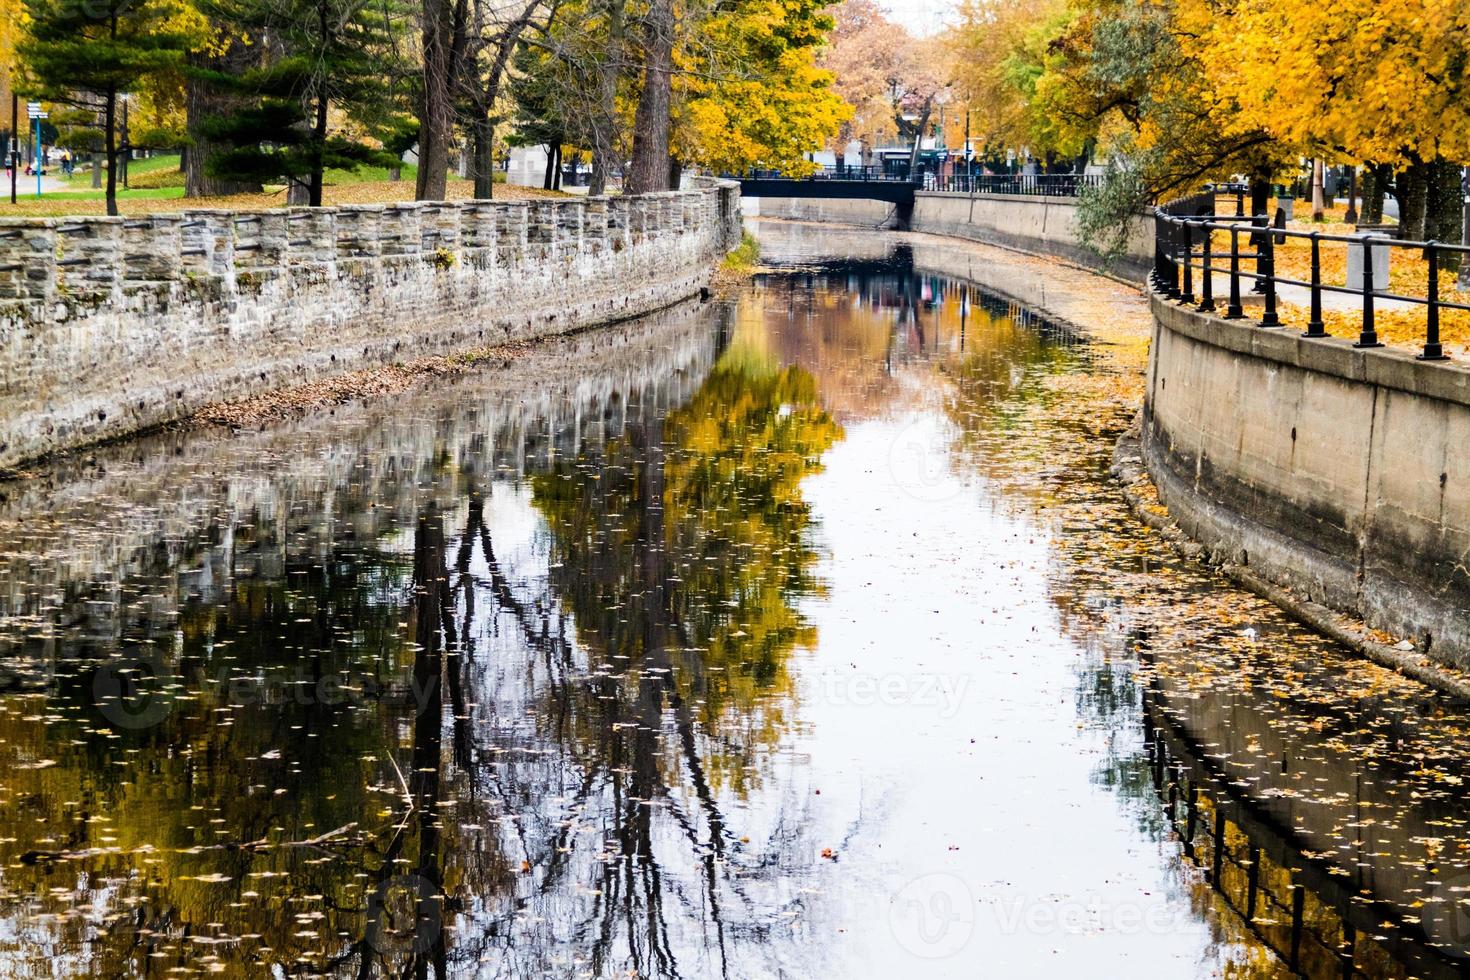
796, 635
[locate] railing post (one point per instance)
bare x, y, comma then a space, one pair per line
1233, 310
1187, 295
1268, 261
1159, 251
1171, 253
1433, 350
1239, 203
1260, 221
1207, 285
1369, 335
1315, 327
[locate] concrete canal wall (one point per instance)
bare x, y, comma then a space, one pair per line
1336, 472
1035, 224
113, 325
189, 512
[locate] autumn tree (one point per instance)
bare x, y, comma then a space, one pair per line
1363, 82
890, 78
567, 83
997, 50
648, 170
749, 92
497, 32
324, 56
861, 56
87, 55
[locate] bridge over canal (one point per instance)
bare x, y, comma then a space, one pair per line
854, 184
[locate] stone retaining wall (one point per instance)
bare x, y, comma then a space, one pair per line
1047, 225
1336, 472
112, 325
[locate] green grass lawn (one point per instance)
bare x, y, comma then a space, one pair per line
159, 178
144, 193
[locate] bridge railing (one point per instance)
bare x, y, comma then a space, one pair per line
1038, 185
872, 173
1189, 255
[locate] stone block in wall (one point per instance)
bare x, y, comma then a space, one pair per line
512, 231
359, 231
150, 249
476, 224
207, 243
689, 211
312, 236
619, 217
638, 220
540, 236
568, 231
594, 225
402, 230
259, 241
27, 259
540, 222
88, 259
441, 231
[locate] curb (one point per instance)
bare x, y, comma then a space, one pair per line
1128, 469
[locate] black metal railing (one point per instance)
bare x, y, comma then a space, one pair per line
1186, 263
1039, 185
873, 173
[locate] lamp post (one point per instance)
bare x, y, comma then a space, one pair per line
126, 149
1464, 279
14, 147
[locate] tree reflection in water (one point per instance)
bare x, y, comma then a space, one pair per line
607, 759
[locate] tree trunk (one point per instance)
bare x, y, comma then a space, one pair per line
548, 179
1413, 194
97, 168
482, 138
919, 137
200, 102
442, 40
1444, 211
319, 136
604, 123
649, 170
1260, 194
483, 130
1445, 206
1375, 185
676, 173
1319, 208
109, 130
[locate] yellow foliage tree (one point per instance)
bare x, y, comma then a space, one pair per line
1358, 80
996, 52
749, 92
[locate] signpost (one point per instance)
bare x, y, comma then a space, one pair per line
33, 109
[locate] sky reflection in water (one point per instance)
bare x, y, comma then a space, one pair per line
798, 635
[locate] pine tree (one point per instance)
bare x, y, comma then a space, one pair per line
87, 53
317, 57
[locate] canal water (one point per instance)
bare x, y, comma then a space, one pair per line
800, 633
